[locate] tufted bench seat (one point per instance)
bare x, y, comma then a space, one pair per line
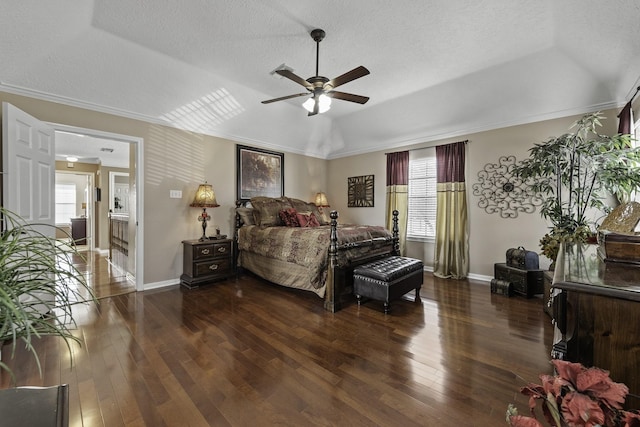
388, 279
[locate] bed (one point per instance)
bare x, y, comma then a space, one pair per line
292, 243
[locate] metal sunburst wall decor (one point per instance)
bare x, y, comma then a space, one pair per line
503, 193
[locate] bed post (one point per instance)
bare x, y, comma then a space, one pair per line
237, 226
396, 233
331, 298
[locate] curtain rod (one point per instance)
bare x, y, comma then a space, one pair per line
466, 141
634, 95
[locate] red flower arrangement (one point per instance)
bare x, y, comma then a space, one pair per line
576, 396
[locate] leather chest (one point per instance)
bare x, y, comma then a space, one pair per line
522, 259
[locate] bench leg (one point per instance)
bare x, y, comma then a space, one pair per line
418, 294
359, 298
387, 307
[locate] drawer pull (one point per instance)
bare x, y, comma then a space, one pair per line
222, 249
205, 251
213, 267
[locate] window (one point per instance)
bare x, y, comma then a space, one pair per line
421, 221
65, 203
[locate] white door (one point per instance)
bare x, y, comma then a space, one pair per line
28, 175
28, 167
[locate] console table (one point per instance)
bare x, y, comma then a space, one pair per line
596, 308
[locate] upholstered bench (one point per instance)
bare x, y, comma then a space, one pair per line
388, 279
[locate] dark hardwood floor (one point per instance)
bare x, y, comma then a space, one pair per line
103, 277
248, 353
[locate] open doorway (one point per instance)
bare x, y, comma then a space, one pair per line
74, 208
97, 155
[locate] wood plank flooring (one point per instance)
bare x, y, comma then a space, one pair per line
102, 276
248, 353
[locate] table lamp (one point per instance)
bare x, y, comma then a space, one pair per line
204, 198
322, 202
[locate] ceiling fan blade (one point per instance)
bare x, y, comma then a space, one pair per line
269, 101
356, 73
288, 74
348, 97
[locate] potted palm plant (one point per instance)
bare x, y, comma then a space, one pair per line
574, 173
39, 283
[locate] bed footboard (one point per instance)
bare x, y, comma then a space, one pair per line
339, 279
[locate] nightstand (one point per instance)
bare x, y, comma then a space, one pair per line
206, 261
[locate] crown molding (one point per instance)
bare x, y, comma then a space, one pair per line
71, 102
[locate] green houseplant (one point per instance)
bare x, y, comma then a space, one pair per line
38, 286
575, 172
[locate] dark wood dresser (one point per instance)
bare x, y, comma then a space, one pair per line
206, 261
596, 308
79, 230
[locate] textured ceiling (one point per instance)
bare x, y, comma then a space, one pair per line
438, 68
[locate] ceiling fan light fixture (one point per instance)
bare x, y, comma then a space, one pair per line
320, 86
308, 104
324, 104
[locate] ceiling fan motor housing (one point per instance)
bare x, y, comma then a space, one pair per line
318, 35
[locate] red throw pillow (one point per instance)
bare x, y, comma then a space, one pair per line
308, 220
289, 217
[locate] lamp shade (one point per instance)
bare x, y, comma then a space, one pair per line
321, 200
205, 197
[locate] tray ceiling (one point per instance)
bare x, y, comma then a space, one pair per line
438, 68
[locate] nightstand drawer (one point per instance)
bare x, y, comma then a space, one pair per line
211, 250
215, 266
206, 261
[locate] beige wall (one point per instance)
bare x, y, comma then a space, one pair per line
179, 160
490, 235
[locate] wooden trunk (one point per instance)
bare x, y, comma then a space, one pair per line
523, 282
616, 247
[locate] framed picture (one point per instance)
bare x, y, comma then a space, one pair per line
259, 173
360, 191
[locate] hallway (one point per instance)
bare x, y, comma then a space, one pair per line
105, 279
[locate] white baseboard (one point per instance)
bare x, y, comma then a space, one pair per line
480, 277
163, 284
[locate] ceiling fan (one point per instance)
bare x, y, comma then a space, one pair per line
321, 88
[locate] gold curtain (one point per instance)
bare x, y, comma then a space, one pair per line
398, 193
451, 258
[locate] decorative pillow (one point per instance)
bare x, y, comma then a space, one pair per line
307, 219
289, 217
246, 216
302, 206
268, 209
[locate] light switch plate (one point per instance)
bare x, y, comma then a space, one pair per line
175, 194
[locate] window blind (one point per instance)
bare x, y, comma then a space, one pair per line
65, 203
422, 196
